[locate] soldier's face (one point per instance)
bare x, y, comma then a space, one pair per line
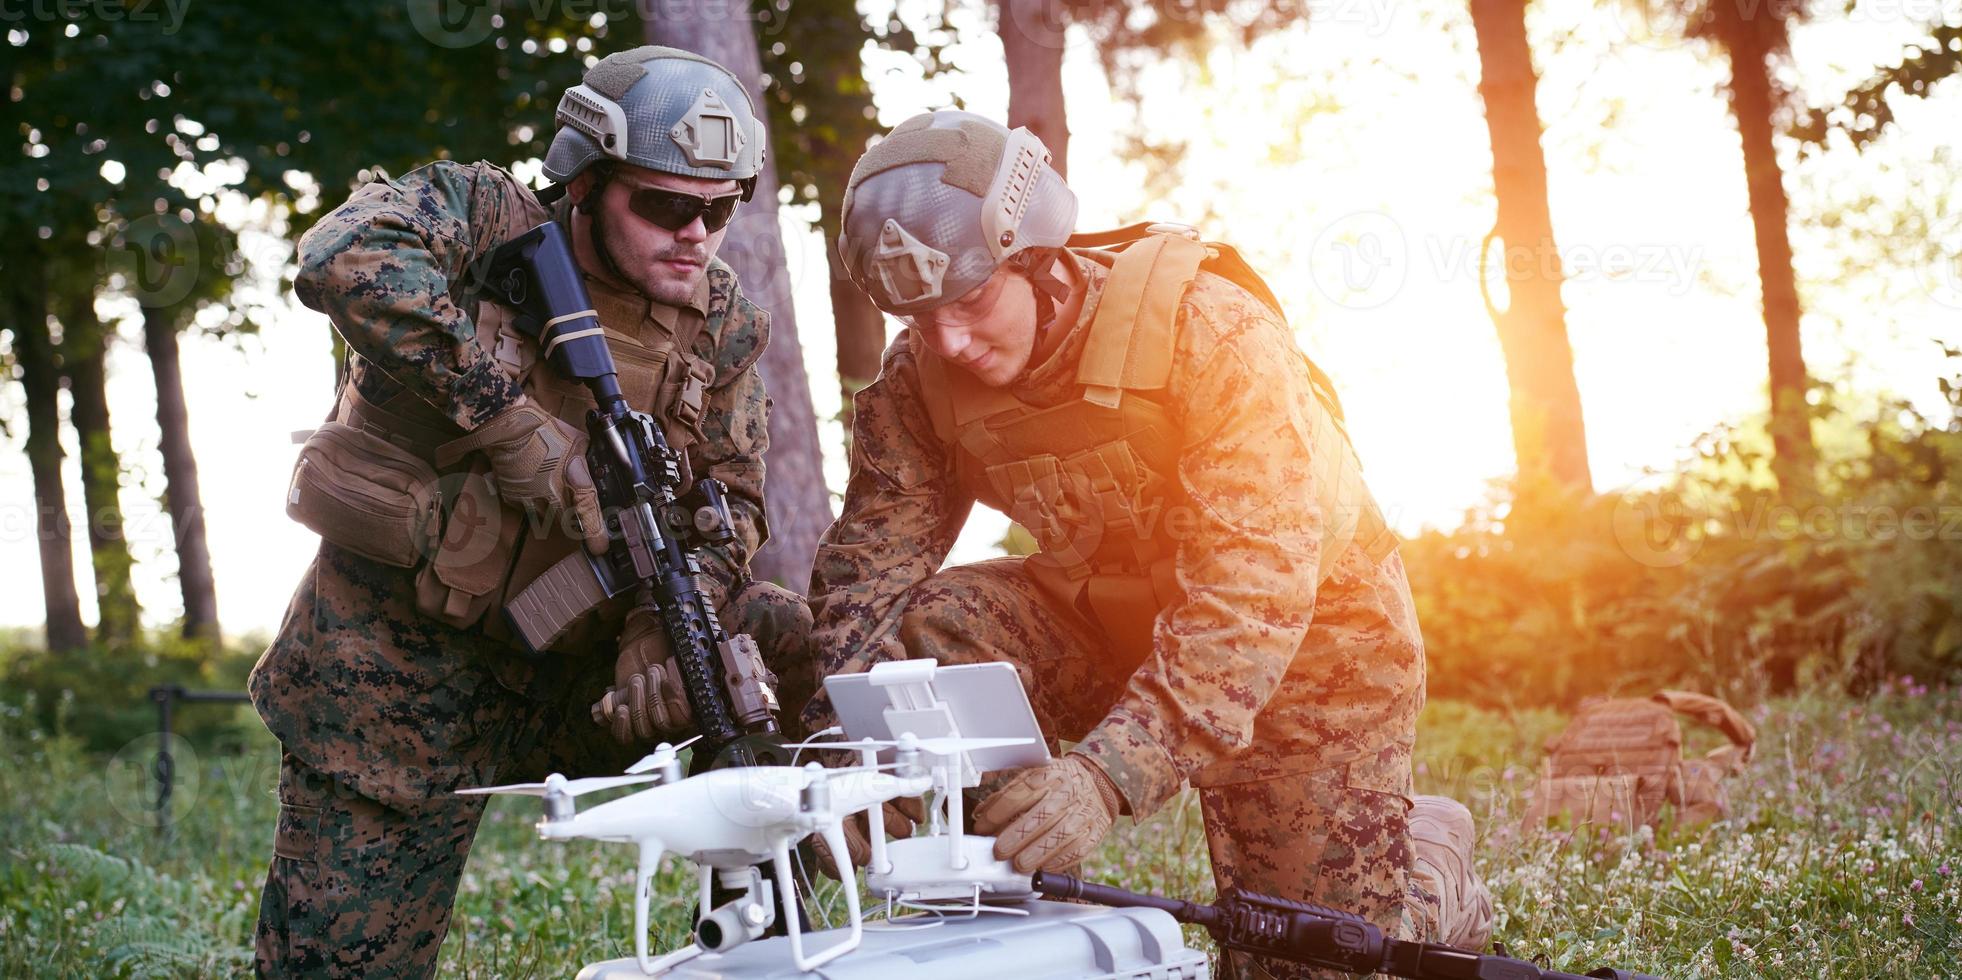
666, 265
990, 333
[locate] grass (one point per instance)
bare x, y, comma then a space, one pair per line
1840, 857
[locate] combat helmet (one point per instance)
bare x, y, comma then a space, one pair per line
942, 202
660, 108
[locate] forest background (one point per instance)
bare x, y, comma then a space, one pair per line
1647, 314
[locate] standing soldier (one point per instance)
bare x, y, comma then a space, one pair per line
1217, 598
452, 474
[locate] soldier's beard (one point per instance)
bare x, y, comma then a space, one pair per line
665, 284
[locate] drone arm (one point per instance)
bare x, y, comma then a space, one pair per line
834, 838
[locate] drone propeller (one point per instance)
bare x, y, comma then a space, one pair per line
570, 787
661, 756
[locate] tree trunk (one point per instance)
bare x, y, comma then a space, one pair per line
1548, 436
859, 326
799, 508
40, 381
181, 495
85, 343
1751, 102
1032, 44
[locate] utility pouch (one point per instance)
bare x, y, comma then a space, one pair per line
461, 581
365, 494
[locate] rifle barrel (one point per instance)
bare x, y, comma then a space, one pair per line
1057, 885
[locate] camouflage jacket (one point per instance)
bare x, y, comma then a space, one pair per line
1254, 656
390, 268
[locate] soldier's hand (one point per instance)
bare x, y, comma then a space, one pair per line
646, 702
538, 461
902, 816
1050, 817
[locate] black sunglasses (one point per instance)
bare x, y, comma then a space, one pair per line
673, 210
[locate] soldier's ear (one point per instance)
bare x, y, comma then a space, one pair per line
576, 190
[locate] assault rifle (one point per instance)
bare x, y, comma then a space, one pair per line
653, 530
1316, 935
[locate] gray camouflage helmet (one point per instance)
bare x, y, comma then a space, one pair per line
938, 205
660, 108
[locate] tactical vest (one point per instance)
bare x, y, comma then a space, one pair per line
1620, 760
1094, 479
487, 550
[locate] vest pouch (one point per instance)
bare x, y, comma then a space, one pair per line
365, 494
1127, 607
461, 581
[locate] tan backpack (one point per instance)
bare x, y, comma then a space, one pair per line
1620, 760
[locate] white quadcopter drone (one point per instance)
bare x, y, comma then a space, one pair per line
917, 729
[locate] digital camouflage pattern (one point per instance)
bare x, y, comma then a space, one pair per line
392, 269
399, 712
382, 711
1291, 707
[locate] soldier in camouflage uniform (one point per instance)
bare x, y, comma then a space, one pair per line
392, 682
1217, 599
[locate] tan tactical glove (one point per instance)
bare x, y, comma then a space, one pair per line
1052, 817
539, 463
646, 703
902, 815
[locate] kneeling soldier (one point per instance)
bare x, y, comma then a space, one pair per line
1216, 599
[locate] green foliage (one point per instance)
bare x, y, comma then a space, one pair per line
100, 696
819, 102
1841, 857
1707, 578
1867, 109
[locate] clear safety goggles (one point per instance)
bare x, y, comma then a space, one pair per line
963, 313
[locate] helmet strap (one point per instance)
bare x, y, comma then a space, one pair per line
1039, 265
593, 205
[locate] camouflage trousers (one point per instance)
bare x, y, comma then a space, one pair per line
1329, 836
382, 714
